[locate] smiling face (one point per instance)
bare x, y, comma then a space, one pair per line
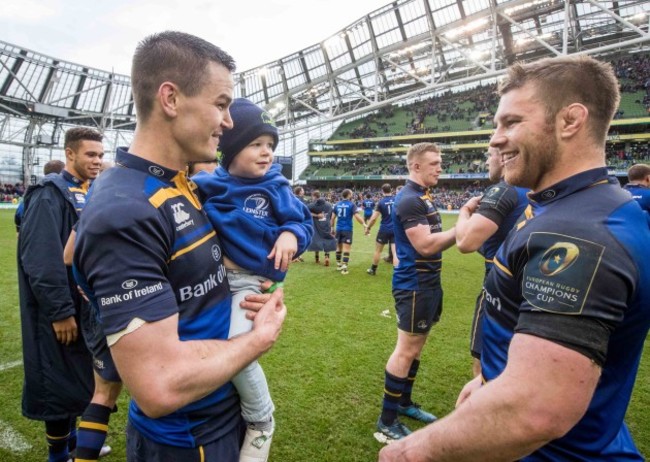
255, 159
85, 161
202, 118
525, 139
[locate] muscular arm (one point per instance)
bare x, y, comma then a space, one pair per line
427, 243
543, 392
472, 231
164, 373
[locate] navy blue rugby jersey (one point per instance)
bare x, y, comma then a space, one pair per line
145, 249
344, 211
77, 188
503, 204
577, 273
385, 208
414, 206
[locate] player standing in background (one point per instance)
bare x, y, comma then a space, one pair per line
344, 212
385, 235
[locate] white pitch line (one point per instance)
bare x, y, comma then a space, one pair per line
12, 440
10, 365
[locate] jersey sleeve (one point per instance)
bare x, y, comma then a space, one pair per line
497, 202
574, 291
411, 213
123, 261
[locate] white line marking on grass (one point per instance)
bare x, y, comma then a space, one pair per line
12, 364
12, 440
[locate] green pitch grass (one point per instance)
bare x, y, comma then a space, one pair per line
325, 373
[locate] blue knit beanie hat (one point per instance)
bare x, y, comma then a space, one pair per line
249, 122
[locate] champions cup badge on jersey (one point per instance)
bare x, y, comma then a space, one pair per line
559, 275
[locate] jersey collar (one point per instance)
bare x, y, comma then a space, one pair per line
570, 185
126, 159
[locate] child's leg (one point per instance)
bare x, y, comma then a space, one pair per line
256, 403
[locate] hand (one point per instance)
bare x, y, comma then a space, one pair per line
286, 246
268, 321
472, 204
469, 388
254, 302
66, 330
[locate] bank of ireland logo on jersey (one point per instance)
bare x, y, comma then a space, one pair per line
560, 272
257, 205
156, 171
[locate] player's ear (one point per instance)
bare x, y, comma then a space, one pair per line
168, 97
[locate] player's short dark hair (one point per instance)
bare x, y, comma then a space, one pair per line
346, 193
386, 188
638, 172
565, 80
176, 57
75, 135
315, 194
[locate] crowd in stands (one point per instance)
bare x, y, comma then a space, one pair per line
11, 192
633, 72
446, 197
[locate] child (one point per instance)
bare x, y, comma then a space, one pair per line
262, 227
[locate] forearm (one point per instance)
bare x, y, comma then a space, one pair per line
480, 429
178, 373
437, 242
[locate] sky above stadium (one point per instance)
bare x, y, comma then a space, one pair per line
103, 34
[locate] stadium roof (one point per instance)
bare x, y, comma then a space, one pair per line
404, 49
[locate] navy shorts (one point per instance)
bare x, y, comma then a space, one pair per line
96, 343
344, 237
417, 310
385, 238
141, 449
476, 334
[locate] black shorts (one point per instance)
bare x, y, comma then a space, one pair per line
476, 334
417, 310
96, 343
385, 238
344, 237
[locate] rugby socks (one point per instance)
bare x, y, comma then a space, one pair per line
346, 257
373, 268
316, 257
408, 388
93, 428
393, 389
57, 433
338, 257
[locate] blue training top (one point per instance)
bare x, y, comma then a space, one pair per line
145, 249
250, 214
344, 211
582, 282
641, 194
385, 208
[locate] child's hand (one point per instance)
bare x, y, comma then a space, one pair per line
283, 251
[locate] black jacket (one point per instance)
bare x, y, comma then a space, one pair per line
58, 379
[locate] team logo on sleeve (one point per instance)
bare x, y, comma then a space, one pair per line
181, 217
560, 272
257, 205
